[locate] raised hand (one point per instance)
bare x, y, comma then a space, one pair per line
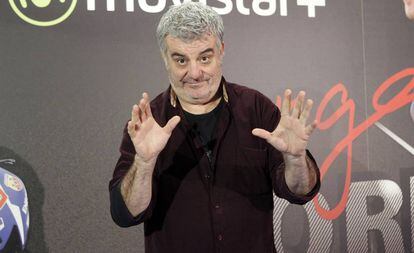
291, 134
148, 137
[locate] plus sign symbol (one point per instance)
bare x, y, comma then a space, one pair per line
311, 4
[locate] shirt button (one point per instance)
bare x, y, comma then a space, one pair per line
206, 176
220, 237
217, 206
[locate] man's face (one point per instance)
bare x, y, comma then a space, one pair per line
194, 68
409, 8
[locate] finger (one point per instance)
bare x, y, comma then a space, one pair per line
135, 114
134, 125
131, 129
311, 127
171, 124
148, 112
148, 107
142, 113
306, 111
261, 133
298, 105
286, 102
145, 96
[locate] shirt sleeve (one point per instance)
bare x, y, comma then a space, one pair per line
119, 211
282, 190
270, 116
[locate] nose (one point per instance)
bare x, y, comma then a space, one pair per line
194, 71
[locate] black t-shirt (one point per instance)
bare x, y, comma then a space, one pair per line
204, 125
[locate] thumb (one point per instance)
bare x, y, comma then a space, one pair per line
171, 124
261, 133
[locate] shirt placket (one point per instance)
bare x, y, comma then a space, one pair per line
217, 206
206, 170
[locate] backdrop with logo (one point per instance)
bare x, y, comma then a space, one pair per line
71, 70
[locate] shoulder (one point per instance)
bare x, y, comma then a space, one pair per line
249, 103
161, 99
161, 107
241, 94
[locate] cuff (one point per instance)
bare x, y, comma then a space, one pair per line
284, 191
119, 211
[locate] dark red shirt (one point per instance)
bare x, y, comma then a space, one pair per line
222, 205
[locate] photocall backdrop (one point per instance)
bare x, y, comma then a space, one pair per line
71, 70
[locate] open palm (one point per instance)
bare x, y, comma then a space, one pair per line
291, 134
148, 137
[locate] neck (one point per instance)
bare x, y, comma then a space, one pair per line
203, 108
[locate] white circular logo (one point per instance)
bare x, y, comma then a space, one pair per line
22, 5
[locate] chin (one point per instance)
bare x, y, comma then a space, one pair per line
409, 9
198, 93
410, 15
201, 99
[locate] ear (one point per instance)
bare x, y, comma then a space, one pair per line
164, 57
222, 51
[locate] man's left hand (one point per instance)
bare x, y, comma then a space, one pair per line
291, 137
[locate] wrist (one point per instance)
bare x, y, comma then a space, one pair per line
144, 164
145, 160
295, 160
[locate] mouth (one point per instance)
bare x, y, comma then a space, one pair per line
194, 84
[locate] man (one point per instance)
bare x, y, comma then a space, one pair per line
409, 8
204, 181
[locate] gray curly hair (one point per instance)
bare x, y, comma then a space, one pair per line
189, 21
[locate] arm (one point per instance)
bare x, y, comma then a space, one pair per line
300, 174
280, 186
136, 186
290, 137
132, 186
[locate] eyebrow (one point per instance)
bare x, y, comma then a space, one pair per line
177, 55
208, 50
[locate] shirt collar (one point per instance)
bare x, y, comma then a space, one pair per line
173, 96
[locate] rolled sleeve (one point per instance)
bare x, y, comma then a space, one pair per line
119, 211
282, 190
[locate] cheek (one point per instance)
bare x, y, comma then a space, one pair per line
176, 74
214, 69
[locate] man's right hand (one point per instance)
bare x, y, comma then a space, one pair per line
148, 137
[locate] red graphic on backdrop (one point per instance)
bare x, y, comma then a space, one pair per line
404, 97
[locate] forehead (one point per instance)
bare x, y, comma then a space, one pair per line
176, 45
